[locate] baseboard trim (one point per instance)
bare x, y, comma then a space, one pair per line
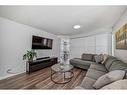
10, 75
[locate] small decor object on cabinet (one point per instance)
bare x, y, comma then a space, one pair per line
121, 38
30, 55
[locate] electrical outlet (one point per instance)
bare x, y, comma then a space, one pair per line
9, 70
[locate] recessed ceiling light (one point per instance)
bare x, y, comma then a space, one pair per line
76, 26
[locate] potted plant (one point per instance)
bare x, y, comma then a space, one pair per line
30, 55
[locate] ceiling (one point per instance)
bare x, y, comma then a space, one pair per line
60, 20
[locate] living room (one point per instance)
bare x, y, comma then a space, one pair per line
71, 33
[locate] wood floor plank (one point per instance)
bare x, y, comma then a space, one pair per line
41, 80
61, 86
76, 74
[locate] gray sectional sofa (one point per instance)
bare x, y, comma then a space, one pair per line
95, 70
84, 62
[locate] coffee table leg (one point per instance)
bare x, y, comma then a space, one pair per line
64, 76
51, 74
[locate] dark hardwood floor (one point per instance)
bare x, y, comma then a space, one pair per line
41, 80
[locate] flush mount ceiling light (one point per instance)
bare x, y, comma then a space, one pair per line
76, 26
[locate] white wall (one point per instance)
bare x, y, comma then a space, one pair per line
15, 39
119, 53
95, 44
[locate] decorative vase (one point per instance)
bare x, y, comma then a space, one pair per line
61, 65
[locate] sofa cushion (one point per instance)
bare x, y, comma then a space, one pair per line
105, 56
98, 67
125, 77
94, 74
98, 58
87, 57
87, 83
77, 62
120, 84
118, 65
109, 78
109, 61
80, 61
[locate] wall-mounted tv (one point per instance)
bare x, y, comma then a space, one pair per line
41, 42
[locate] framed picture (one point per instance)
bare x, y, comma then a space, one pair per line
121, 38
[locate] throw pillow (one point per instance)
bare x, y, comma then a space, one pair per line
87, 57
98, 58
109, 78
120, 84
105, 56
109, 62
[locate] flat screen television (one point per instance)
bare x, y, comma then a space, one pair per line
41, 43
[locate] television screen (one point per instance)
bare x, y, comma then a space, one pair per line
41, 43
